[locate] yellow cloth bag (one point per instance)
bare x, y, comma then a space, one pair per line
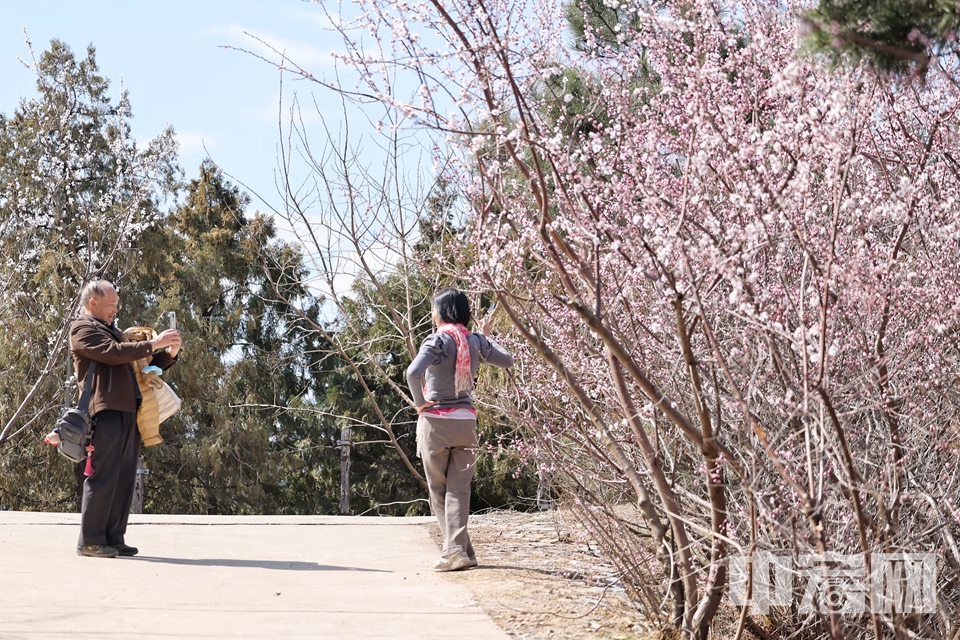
159, 400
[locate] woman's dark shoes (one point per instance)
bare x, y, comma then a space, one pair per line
96, 551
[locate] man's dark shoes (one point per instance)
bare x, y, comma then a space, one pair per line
96, 551
125, 549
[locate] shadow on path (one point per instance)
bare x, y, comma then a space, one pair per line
279, 565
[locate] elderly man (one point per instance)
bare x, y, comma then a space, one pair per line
114, 399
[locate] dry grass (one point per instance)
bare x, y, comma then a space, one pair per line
539, 579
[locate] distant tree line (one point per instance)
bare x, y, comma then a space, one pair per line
271, 370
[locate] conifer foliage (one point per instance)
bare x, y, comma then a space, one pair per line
80, 200
896, 35
268, 374
76, 195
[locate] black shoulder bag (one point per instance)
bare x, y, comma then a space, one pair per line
74, 426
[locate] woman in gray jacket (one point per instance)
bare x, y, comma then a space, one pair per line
441, 379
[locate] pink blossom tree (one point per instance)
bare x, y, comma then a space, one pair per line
730, 279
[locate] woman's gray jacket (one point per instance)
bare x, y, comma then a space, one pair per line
435, 365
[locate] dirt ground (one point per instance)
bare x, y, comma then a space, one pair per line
539, 580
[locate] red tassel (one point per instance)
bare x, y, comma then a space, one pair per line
88, 471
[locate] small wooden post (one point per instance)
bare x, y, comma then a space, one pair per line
139, 487
544, 492
346, 435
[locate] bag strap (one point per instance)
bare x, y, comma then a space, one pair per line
84, 403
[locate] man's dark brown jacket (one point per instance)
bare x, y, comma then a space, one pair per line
114, 385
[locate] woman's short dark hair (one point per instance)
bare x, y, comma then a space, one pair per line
452, 306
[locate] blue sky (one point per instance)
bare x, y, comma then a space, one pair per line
171, 58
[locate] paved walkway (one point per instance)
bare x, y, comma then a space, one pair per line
233, 577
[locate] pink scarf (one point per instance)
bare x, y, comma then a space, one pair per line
463, 379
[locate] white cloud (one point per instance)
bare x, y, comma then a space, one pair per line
195, 142
273, 47
319, 19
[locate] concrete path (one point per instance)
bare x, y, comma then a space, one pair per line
233, 577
